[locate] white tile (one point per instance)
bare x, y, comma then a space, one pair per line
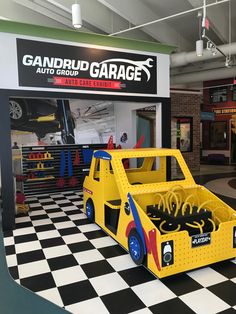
89, 227
78, 203
8, 241
108, 283
203, 301
41, 222
69, 207
23, 231
45, 200
153, 292
48, 234
142, 311
88, 256
50, 206
78, 216
71, 197
62, 201
57, 214
64, 224
68, 275
37, 212
233, 260
32, 269
30, 199
103, 242
74, 238
90, 306
55, 251
121, 262
52, 295
22, 219
233, 279
207, 276
11, 260
27, 246
34, 205
17, 281
56, 195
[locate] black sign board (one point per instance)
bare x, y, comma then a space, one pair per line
201, 239
50, 65
167, 249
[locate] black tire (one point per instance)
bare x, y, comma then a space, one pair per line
18, 112
136, 248
90, 210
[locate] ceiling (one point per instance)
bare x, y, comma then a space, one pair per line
111, 16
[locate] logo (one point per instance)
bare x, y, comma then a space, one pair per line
167, 249
201, 239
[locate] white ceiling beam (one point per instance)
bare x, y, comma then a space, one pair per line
218, 17
142, 14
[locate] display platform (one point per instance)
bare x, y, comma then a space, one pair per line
57, 253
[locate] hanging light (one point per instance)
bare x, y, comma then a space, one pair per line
76, 16
199, 47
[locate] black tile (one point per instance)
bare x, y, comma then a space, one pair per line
226, 291
65, 204
52, 202
39, 217
60, 219
62, 262
73, 212
80, 246
8, 233
121, 302
68, 231
31, 201
58, 198
14, 272
25, 238
29, 257
95, 234
137, 275
97, 268
226, 268
25, 224
33, 209
77, 292
112, 251
171, 306
81, 222
51, 242
38, 282
44, 228
53, 210
43, 196
181, 284
228, 311
10, 249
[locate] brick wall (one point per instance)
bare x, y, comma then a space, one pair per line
187, 105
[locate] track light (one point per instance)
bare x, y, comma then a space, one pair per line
76, 15
199, 47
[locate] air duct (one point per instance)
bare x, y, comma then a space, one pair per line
184, 58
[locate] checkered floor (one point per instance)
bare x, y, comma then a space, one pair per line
55, 252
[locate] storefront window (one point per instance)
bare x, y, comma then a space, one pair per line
184, 134
218, 94
234, 93
218, 134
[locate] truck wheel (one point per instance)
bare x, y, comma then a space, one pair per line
90, 210
135, 246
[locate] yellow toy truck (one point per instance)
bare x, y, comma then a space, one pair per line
148, 201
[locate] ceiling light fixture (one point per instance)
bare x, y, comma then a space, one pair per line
76, 16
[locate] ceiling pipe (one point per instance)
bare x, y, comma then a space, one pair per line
202, 76
184, 58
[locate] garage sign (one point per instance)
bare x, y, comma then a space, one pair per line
43, 64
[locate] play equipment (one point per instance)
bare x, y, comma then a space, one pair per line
165, 220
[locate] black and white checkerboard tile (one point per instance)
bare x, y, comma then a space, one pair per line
57, 253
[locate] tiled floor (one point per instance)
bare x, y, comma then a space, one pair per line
57, 253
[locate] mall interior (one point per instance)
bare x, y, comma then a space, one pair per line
117, 156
